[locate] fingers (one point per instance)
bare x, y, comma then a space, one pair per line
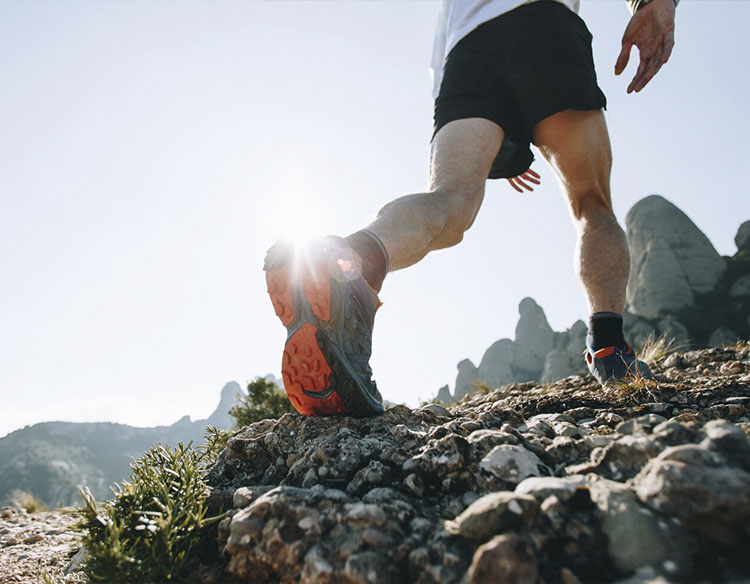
649, 66
511, 182
622, 60
518, 183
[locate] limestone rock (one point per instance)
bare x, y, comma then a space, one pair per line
512, 464
637, 537
741, 287
742, 239
560, 363
673, 329
492, 514
692, 484
722, 336
496, 367
671, 259
467, 375
534, 339
444, 395
507, 558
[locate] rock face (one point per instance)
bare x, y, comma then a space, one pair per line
50, 460
742, 239
671, 259
527, 484
534, 339
680, 288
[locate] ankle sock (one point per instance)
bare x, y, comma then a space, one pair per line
605, 330
374, 257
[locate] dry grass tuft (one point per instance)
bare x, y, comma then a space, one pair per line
654, 349
25, 500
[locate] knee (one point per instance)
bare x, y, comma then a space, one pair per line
592, 203
458, 210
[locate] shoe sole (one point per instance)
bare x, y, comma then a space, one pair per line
317, 377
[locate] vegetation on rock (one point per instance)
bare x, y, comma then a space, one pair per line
157, 524
264, 400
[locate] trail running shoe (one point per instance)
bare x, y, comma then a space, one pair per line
615, 364
328, 310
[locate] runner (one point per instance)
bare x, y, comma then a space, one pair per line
508, 74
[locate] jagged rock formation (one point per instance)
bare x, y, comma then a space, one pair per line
679, 284
679, 287
50, 460
671, 259
538, 353
524, 484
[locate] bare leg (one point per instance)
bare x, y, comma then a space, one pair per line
460, 160
576, 144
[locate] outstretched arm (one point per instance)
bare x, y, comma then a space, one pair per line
651, 29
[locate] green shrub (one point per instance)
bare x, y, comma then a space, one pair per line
155, 527
264, 399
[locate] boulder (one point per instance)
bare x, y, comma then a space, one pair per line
496, 367
722, 336
671, 259
560, 363
444, 395
741, 287
742, 239
467, 375
534, 340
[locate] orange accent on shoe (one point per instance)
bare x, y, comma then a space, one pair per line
304, 368
316, 282
277, 282
605, 352
628, 349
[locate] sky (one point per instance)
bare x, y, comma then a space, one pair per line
151, 151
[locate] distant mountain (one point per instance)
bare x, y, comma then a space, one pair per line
51, 459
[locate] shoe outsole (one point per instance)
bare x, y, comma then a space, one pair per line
317, 376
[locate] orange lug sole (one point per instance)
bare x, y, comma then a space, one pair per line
303, 365
304, 368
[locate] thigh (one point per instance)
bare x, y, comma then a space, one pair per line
462, 153
576, 145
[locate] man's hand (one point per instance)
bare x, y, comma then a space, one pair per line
651, 29
517, 181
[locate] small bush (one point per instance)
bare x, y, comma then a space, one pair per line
154, 528
264, 399
24, 500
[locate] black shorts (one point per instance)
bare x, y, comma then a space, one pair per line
517, 70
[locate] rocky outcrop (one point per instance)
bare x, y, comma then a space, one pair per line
680, 288
538, 353
50, 460
742, 239
465, 381
534, 339
561, 483
671, 259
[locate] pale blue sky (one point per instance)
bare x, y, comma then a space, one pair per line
150, 152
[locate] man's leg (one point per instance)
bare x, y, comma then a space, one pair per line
328, 306
460, 160
576, 144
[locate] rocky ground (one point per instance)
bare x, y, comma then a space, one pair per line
556, 483
525, 484
38, 547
